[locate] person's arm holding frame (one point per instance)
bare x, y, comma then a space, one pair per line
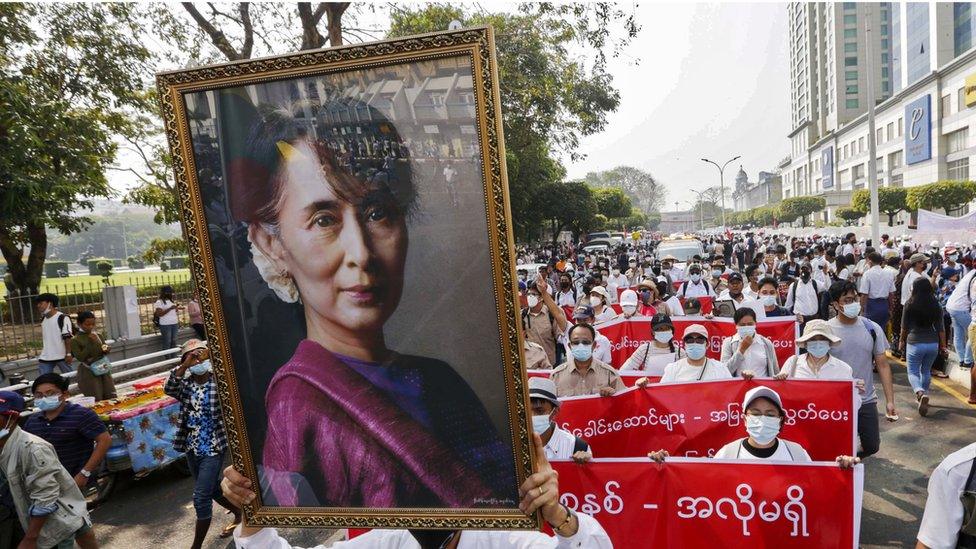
555, 310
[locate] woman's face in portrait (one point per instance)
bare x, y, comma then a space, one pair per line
346, 255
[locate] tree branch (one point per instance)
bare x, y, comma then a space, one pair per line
311, 37
216, 35
319, 12
244, 8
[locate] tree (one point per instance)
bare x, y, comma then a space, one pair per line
764, 216
575, 210
612, 203
798, 207
945, 195
653, 220
849, 214
891, 200
644, 191
63, 99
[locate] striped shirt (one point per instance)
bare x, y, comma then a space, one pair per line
72, 433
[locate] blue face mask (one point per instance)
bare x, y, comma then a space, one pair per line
695, 277
818, 349
47, 403
851, 310
696, 351
582, 353
200, 369
664, 337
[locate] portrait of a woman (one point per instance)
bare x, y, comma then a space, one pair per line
351, 422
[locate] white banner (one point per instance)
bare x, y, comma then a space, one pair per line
934, 226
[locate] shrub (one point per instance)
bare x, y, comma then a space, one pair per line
164, 266
54, 269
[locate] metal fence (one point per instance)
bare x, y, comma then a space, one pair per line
20, 321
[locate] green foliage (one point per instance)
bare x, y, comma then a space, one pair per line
891, 200
104, 269
575, 210
640, 186
63, 99
849, 214
945, 195
164, 266
653, 220
53, 269
612, 203
798, 207
135, 263
160, 248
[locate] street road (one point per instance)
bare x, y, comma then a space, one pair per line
157, 511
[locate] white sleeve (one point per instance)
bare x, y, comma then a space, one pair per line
669, 373
589, 534
268, 538
636, 359
603, 355
943, 512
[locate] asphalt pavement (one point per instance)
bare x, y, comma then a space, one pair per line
157, 511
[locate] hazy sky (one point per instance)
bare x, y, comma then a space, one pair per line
713, 82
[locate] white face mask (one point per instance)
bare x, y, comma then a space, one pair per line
532, 300
629, 309
762, 428
540, 424
767, 300
595, 301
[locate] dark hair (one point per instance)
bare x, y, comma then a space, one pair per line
841, 287
253, 178
751, 269
53, 378
48, 297
922, 308
875, 258
85, 315
768, 280
893, 261
165, 290
743, 312
583, 325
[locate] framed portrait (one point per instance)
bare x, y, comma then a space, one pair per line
347, 217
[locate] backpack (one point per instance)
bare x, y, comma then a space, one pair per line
684, 286
72, 328
580, 445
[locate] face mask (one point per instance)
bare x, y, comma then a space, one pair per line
521, 277
656, 270
540, 424
629, 309
696, 351
646, 295
851, 310
666, 267
762, 428
46, 311
746, 331
663, 337
632, 263
804, 276
582, 353
768, 300
564, 285
954, 257
200, 369
716, 273
532, 300
695, 277
615, 273
47, 403
595, 301
818, 349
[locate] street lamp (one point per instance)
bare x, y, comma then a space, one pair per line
721, 177
701, 208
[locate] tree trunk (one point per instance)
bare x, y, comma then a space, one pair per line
334, 11
891, 218
25, 278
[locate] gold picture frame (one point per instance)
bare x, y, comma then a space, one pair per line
473, 47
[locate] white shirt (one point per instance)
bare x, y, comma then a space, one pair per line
943, 509
906, 284
601, 347
564, 299
561, 444
169, 318
677, 274
796, 367
846, 249
786, 451
54, 337
682, 371
876, 283
589, 534
691, 289
606, 314
614, 282
802, 298
747, 301
961, 298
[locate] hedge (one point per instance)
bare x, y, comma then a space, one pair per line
51, 268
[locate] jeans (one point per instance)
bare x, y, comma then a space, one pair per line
206, 471
868, 430
960, 329
169, 335
48, 367
920, 357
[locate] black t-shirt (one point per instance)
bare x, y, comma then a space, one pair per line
760, 452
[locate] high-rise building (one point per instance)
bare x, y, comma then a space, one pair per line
913, 45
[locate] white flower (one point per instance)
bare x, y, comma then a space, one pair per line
281, 282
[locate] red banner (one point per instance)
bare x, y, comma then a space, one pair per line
697, 419
692, 503
627, 335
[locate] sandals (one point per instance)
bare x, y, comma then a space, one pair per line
228, 530
923, 404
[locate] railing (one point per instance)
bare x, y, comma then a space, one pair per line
20, 322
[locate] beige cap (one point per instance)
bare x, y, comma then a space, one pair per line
602, 291
695, 329
818, 327
192, 345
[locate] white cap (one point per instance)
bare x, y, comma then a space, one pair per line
758, 392
602, 291
628, 297
544, 388
934, 244
695, 329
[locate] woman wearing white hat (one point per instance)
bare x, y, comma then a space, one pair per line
817, 363
599, 299
695, 366
764, 419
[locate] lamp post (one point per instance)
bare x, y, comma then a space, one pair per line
701, 207
721, 178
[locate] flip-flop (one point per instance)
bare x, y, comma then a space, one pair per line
228, 530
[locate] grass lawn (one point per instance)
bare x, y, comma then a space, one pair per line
135, 278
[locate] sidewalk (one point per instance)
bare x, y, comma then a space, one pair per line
959, 378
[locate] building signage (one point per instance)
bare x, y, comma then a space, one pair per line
827, 167
971, 90
918, 130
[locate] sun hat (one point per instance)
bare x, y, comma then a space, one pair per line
192, 345
917, 258
544, 388
818, 327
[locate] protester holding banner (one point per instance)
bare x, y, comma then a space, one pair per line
583, 374
650, 302
695, 366
735, 294
543, 321
817, 363
653, 356
695, 286
559, 444
747, 353
600, 300
628, 305
863, 350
